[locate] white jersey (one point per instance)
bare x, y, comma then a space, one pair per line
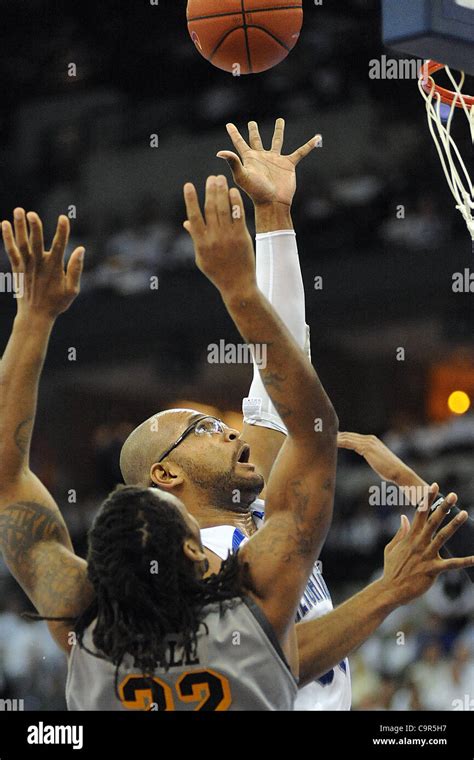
333, 690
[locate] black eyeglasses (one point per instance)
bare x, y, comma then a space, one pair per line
200, 426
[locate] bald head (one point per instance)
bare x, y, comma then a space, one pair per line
148, 441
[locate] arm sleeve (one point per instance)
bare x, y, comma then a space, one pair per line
279, 278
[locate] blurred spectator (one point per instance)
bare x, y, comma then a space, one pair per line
430, 675
137, 253
421, 229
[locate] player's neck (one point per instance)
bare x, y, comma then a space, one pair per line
211, 517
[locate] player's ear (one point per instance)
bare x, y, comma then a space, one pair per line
166, 475
193, 550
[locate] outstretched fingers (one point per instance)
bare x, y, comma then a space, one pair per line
437, 517
36, 236
195, 222
210, 204
305, 150
255, 140
222, 200
403, 531
238, 141
236, 165
237, 206
423, 511
21, 235
74, 270
456, 563
60, 240
448, 531
278, 136
10, 246
222, 207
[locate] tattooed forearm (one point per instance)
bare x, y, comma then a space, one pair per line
277, 382
273, 380
24, 524
297, 534
38, 551
22, 435
64, 588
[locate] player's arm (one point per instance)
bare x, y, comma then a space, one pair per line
391, 468
33, 536
301, 486
269, 179
411, 564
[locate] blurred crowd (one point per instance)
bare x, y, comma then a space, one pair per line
422, 658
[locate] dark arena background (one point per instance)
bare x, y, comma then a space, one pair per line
106, 110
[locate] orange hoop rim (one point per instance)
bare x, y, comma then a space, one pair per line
447, 96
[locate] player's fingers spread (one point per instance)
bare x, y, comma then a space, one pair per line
446, 533
402, 531
195, 221
74, 270
36, 236
278, 136
10, 246
60, 240
457, 563
21, 234
210, 206
238, 141
222, 200
302, 152
237, 206
423, 510
436, 518
405, 525
234, 162
254, 136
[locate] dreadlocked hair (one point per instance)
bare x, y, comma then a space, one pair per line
145, 586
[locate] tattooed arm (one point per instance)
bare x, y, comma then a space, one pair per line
301, 487
33, 536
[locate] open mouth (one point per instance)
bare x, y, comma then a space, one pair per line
244, 455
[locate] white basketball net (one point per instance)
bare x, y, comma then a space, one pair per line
453, 165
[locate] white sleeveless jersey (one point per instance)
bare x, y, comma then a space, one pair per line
333, 690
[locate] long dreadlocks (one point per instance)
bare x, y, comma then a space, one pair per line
145, 586
134, 534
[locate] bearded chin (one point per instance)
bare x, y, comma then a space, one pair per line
226, 490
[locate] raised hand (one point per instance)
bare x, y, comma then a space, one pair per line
47, 288
265, 175
412, 558
222, 243
383, 461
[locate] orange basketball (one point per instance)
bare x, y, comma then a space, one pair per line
245, 36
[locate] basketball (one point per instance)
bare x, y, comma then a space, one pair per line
245, 36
